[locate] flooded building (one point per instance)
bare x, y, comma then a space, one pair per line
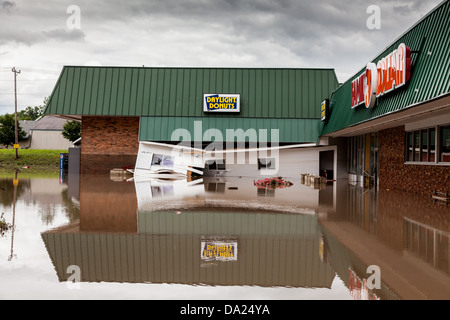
392, 118
225, 237
242, 109
388, 126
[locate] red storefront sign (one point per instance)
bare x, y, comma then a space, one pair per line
391, 72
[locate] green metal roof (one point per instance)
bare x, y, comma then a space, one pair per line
178, 92
430, 74
290, 130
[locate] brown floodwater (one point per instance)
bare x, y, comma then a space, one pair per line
97, 237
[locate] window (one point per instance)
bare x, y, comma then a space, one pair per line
160, 160
356, 154
167, 161
416, 146
409, 146
157, 160
420, 145
215, 164
424, 148
444, 144
432, 157
352, 155
266, 163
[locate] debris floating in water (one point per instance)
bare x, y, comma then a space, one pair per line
272, 183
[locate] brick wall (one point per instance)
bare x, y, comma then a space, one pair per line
395, 175
108, 143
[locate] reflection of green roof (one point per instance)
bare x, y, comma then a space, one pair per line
229, 222
429, 77
272, 250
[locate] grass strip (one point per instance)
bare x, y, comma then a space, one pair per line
30, 159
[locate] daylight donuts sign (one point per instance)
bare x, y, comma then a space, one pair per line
390, 73
221, 102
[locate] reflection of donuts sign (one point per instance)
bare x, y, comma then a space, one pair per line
219, 250
391, 72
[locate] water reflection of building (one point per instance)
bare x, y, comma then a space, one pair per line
418, 227
349, 266
407, 236
156, 231
106, 205
117, 241
46, 193
161, 194
428, 243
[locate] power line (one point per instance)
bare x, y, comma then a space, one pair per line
19, 105
5, 69
40, 70
25, 93
22, 80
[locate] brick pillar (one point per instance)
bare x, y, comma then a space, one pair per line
108, 143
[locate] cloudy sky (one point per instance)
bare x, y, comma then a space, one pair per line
40, 37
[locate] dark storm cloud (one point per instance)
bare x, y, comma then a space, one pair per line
303, 27
31, 23
300, 26
290, 23
204, 33
318, 33
63, 35
7, 6
248, 18
410, 7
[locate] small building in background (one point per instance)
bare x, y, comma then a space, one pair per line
45, 133
27, 126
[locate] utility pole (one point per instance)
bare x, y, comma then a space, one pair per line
16, 139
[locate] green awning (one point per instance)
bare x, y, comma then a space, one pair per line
175, 129
429, 42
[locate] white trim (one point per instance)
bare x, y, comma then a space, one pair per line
431, 122
444, 164
174, 146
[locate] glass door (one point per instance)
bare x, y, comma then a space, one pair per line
374, 157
